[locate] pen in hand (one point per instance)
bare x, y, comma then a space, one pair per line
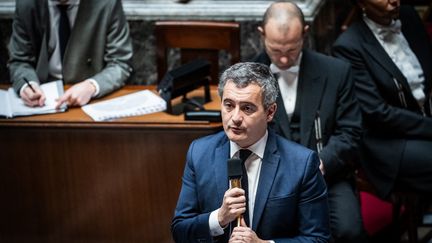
37, 98
28, 83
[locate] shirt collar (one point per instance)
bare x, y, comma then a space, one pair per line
257, 148
383, 31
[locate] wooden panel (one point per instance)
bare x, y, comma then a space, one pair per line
205, 36
76, 182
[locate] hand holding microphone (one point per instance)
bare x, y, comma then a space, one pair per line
234, 202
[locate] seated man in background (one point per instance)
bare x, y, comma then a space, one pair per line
316, 108
285, 199
85, 43
391, 56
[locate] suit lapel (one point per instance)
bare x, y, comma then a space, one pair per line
220, 168
45, 53
269, 167
377, 52
311, 87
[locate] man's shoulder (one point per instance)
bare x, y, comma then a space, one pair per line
105, 4
288, 146
28, 5
290, 151
323, 60
211, 140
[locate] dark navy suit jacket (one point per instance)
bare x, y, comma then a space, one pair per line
291, 201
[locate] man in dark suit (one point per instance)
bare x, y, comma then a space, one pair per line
85, 43
391, 56
316, 108
286, 199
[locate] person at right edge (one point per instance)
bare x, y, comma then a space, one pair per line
391, 56
318, 109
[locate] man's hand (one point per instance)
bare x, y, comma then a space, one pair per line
233, 205
77, 95
33, 98
244, 234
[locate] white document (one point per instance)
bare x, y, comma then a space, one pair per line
11, 105
135, 104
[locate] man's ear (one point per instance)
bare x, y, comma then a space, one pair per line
261, 30
305, 29
271, 112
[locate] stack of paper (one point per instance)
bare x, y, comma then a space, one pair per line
135, 104
11, 105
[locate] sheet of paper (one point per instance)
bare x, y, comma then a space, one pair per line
52, 90
4, 104
135, 104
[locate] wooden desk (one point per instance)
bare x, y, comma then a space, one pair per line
66, 178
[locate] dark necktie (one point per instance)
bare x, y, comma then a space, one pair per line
64, 29
243, 155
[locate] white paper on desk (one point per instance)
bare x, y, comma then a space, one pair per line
135, 104
11, 105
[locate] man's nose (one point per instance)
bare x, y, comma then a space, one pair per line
237, 115
283, 59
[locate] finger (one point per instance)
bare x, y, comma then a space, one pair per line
236, 202
236, 236
63, 99
42, 99
243, 222
235, 192
31, 98
28, 102
26, 99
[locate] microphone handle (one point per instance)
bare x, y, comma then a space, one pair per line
236, 183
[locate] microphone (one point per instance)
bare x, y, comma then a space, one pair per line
235, 173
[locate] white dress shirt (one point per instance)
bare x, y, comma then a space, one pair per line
397, 47
288, 82
253, 167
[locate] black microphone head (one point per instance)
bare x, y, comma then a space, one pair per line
234, 168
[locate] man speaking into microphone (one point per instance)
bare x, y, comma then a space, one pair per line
282, 197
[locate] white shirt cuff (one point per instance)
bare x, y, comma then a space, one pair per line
25, 86
215, 228
96, 86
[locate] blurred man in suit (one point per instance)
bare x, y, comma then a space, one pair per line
286, 197
85, 43
316, 108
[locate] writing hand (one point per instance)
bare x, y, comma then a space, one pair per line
77, 95
33, 98
233, 205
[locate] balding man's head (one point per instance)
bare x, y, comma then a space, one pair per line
283, 31
283, 13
